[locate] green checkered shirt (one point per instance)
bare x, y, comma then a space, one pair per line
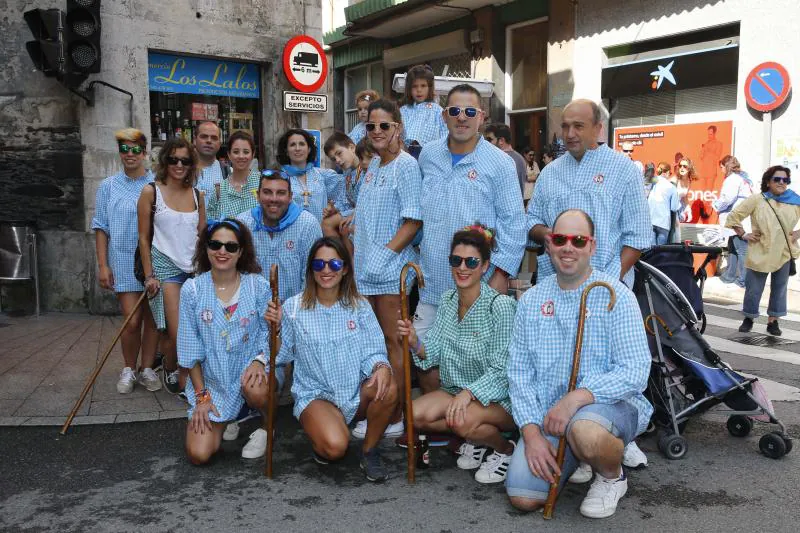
472, 353
231, 202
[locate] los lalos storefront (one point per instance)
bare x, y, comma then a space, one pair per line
186, 91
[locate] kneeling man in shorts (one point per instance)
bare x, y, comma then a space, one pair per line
606, 410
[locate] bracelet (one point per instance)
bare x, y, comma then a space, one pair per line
261, 359
202, 396
151, 276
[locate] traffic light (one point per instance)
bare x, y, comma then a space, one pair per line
47, 51
82, 37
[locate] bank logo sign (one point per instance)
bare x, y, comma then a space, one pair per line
661, 74
194, 75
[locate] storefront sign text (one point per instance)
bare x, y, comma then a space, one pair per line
193, 75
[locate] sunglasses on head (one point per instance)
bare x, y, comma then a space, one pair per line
230, 247
778, 179
578, 241
469, 112
382, 125
318, 265
125, 148
185, 161
471, 262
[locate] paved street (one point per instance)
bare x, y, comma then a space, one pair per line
133, 476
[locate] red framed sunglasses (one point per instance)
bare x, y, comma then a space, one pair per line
578, 241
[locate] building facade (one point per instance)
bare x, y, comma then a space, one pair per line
55, 149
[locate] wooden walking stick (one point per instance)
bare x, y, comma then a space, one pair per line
552, 496
272, 381
99, 367
409, 409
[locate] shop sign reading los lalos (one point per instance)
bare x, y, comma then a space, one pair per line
195, 75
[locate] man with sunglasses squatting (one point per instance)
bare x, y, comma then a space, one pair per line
465, 178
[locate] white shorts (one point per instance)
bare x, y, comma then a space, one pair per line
424, 318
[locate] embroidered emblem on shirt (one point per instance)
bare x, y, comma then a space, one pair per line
368, 177
290, 245
472, 174
244, 322
548, 308
429, 105
351, 325
206, 316
598, 179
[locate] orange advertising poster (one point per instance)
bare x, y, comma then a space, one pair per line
704, 144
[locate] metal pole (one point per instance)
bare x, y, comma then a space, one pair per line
767, 157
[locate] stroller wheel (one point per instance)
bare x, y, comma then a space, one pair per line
772, 445
673, 446
739, 426
788, 442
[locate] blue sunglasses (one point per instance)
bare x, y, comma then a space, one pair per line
318, 265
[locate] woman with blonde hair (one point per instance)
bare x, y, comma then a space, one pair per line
171, 215
116, 238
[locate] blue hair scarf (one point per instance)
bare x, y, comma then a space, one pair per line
288, 218
788, 197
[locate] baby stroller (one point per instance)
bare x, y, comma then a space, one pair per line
687, 377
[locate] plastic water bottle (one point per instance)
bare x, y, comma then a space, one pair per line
423, 452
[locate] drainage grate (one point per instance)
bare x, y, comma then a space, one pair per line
762, 340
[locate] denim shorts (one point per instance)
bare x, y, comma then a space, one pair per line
620, 419
180, 279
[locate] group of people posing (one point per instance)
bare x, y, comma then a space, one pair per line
487, 365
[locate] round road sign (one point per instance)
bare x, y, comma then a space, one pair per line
767, 87
305, 63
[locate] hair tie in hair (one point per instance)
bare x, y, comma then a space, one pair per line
486, 232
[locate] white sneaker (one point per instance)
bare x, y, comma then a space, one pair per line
257, 445
603, 496
126, 380
633, 456
148, 379
582, 474
392, 430
231, 431
495, 468
470, 456
360, 431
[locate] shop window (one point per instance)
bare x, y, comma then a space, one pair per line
185, 91
357, 79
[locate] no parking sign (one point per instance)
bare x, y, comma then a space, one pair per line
767, 87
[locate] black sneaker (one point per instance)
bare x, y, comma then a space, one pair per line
319, 459
774, 329
372, 466
171, 382
158, 364
747, 325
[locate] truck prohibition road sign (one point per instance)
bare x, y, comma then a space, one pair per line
310, 103
767, 87
305, 63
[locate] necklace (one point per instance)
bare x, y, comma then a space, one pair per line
306, 194
236, 285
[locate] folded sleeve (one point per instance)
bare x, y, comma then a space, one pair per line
100, 218
373, 345
511, 232
190, 344
409, 188
637, 230
526, 406
492, 386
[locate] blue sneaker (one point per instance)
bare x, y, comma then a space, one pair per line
372, 465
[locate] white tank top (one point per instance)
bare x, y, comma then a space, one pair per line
175, 232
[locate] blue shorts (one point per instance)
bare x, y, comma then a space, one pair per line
621, 419
180, 279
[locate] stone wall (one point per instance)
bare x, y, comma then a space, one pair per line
55, 150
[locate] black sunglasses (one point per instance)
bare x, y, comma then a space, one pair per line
383, 125
136, 149
318, 265
778, 179
469, 112
230, 247
471, 262
185, 161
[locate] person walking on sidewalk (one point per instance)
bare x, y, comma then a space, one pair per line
469, 344
736, 188
116, 237
772, 245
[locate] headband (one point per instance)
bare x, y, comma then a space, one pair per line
486, 232
214, 224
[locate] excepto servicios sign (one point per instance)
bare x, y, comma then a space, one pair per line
309, 103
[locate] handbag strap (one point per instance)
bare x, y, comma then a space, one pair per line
780, 224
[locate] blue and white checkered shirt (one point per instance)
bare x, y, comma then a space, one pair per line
388, 196
322, 184
288, 249
115, 214
423, 122
615, 358
482, 187
608, 187
223, 348
358, 132
334, 349
207, 180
